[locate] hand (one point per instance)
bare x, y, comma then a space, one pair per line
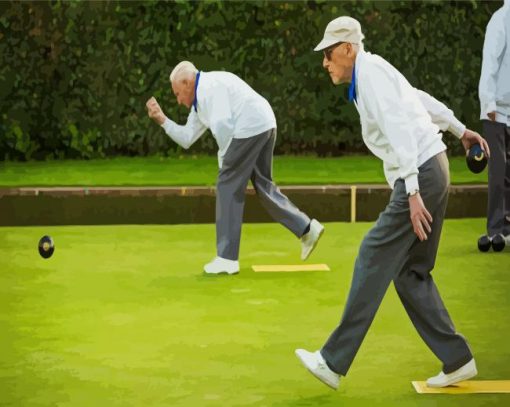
420, 216
492, 116
155, 112
471, 137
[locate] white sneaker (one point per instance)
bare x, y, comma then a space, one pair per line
309, 241
220, 265
464, 373
317, 366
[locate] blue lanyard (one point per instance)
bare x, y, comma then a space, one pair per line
196, 86
352, 87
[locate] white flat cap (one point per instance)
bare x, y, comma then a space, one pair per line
341, 29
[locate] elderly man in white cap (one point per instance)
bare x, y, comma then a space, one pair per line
244, 126
400, 125
494, 93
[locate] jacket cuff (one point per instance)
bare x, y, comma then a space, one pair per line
489, 107
457, 128
166, 124
412, 183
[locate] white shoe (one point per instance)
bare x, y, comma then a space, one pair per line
464, 373
309, 241
220, 265
317, 366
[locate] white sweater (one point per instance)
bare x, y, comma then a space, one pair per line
400, 124
229, 107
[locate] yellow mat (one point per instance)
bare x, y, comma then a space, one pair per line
468, 386
290, 267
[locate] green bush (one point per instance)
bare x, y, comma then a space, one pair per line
75, 75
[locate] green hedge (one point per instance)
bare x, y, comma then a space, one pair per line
75, 75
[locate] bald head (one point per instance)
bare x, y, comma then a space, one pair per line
183, 70
182, 80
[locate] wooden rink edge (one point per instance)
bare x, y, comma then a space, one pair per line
289, 268
183, 190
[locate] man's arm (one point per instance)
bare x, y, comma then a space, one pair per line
493, 46
384, 101
446, 120
441, 116
382, 94
185, 135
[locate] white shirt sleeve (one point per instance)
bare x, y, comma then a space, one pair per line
386, 101
493, 47
441, 116
185, 135
220, 112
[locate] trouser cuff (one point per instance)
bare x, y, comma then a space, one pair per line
333, 368
452, 367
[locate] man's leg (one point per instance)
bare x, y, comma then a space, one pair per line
233, 177
419, 294
276, 204
494, 133
382, 254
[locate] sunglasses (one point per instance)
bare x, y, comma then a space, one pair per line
328, 51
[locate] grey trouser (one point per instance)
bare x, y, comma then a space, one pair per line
250, 158
498, 207
392, 252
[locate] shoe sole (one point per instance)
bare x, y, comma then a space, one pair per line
330, 385
230, 273
314, 245
466, 376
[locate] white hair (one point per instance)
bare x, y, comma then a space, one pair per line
183, 70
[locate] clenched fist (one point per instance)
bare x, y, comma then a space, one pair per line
155, 112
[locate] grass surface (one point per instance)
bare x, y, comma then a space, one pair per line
192, 170
123, 316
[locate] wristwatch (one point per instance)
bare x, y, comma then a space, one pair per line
413, 192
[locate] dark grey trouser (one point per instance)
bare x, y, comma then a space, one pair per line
250, 158
392, 252
498, 207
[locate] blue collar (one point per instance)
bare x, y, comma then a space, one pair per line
196, 86
352, 86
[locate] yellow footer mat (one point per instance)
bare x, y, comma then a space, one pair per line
468, 386
290, 267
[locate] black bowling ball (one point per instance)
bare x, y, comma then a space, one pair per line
484, 243
46, 247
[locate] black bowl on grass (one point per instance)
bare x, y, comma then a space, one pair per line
46, 247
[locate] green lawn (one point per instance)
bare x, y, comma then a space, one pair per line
202, 170
123, 316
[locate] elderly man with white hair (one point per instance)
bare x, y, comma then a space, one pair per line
244, 126
400, 125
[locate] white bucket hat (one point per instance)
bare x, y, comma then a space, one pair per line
341, 29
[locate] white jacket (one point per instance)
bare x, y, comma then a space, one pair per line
229, 107
400, 124
494, 87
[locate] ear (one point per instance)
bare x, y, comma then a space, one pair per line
350, 49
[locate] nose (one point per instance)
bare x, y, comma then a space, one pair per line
325, 62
